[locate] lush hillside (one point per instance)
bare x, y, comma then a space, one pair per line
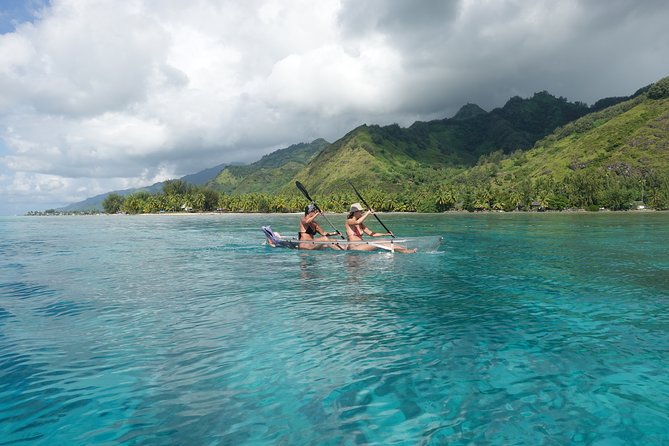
631, 138
399, 159
537, 153
270, 173
472, 132
613, 158
616, 156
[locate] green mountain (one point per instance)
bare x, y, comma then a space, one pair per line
631, 138
612, 157
270, 173
541, 152
394, 159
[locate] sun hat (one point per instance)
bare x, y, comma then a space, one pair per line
355, 207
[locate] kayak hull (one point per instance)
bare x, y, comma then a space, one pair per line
275, 240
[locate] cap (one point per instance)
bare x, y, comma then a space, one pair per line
311, 207
355, 207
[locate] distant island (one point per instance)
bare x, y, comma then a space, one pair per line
534, 154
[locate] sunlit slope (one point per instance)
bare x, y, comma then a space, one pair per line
270, 173
394, 159
628, 139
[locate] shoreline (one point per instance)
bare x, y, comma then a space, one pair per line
212, 213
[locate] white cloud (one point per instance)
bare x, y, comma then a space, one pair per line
100, 95
86, 57
330, 81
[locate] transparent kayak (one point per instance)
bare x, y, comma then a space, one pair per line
406, 244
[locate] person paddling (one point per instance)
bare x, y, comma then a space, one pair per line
309, 228
356, 228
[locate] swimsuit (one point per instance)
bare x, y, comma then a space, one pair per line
309, 229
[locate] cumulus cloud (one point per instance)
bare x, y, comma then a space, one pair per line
100, 95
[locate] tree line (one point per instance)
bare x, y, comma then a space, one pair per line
581, 189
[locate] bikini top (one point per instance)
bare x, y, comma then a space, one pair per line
310, 229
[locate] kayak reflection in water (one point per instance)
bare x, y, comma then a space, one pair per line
355, 229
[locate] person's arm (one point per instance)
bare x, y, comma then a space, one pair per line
322, 232
371, 233
311, 218
381, 234
362, 219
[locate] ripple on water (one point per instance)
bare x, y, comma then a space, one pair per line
25, 290
187, 330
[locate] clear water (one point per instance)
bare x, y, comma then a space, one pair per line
522, 329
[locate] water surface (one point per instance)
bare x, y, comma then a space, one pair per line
521, 329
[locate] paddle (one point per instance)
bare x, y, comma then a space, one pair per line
302, 189
373, 213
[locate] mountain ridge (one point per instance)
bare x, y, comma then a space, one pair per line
450, 153
270, 172
95, 203
395, 159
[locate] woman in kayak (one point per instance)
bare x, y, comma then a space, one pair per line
309, 228
355, 229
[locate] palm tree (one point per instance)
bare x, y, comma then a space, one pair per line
516, 198
482, 198
445, 198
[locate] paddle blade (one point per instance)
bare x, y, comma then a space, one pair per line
302, 189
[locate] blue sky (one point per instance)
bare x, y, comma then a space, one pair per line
14, 12
103, 95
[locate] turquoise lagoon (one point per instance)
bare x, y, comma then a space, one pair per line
520, 329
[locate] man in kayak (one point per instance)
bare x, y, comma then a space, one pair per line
309, 228
355, 228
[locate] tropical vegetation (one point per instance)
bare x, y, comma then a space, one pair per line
540, 153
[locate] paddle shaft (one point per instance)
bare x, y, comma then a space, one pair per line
302, 189
370, 208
